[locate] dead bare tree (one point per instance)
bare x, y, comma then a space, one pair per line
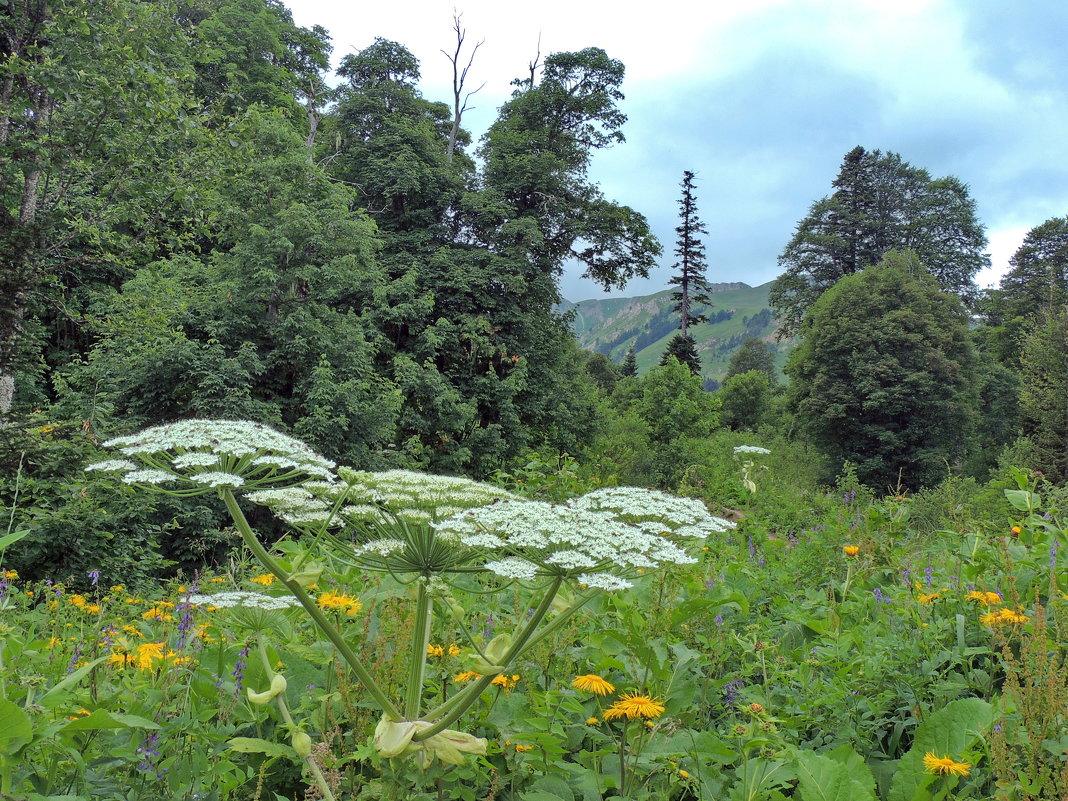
459, 77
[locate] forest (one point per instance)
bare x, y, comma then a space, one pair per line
307, 490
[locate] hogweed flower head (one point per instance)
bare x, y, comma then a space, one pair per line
201, 456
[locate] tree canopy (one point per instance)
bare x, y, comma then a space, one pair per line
879, 203
690, 278
882, 377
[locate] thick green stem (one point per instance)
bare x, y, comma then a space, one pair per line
420, 641
445, 714
283, 708
310, 607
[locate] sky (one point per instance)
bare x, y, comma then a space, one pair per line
762, 99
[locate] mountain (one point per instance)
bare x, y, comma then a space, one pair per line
738, 311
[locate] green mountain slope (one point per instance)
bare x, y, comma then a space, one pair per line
738, 311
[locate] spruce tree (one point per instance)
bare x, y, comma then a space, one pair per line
629, 368
691, 264
684, 348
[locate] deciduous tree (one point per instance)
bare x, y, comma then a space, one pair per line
882, 377
880, 202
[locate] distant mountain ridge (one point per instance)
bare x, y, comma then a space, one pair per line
738, 311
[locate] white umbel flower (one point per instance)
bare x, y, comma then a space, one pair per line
242, 598
750, 449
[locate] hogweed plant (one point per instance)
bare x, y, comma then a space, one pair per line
431, 533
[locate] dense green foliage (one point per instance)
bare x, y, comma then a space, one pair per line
883, 375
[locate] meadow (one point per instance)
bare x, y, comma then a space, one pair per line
831, 644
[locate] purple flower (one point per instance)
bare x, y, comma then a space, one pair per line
94, 576
928, 575
74, 658
1052, 554
239, 668
148, 751
730, 690
879, 597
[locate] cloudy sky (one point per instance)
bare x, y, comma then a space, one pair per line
762, 98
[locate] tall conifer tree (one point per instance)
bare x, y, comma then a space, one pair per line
691, 264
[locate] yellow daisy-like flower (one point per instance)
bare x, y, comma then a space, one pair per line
633, 705
466, 676
435, 650
983, 598
92, 609
148, 654
926, 598
850, 550
944, 766
1016, 531
78, 600
266, 579
11, 574
521, 748
505, 682
339, 601
592, 721
593, 683
156, 613
454, 650
1003, 616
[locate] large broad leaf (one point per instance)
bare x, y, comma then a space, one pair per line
948, 732
549, 788
55, 696
1023, 500
12, 538
15, 727
102, 719
254, 745
822, 777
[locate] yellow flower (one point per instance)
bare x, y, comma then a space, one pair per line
339, 601
78, 600
850, 550
1016, 531
218, 580
756, 708
133, 630
120, 659
684, 774
983, 598
53, 642
520, 747
435, 650
11, 574
266, 579
632, 705
148, 654
592, 721
1003, 616
92, 609
926, 598
593, 683
156, 613
466, 676
505, 682
944, 765
454, 650
119, 588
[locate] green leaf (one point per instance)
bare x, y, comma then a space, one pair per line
554, 786
102, 719
1023, 500
54, 696
15, 727
254, 745
948, 732
823, 777
12, 538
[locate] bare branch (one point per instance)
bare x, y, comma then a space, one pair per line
459, 77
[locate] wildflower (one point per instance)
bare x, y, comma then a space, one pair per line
156, 613
466, 676
92, 609
266, 579
78, 600
93, 576
1003, 616
241, 598
219, 580
505, 682
750, 449
339, 601
928, 597
740, 729
454, 650
1016, 531
11, 574
521, 748
592, 721
850, 550
944, 765
435, 650
756, 708
684, 774
983, 598
592, 683
632, 705
148, 654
